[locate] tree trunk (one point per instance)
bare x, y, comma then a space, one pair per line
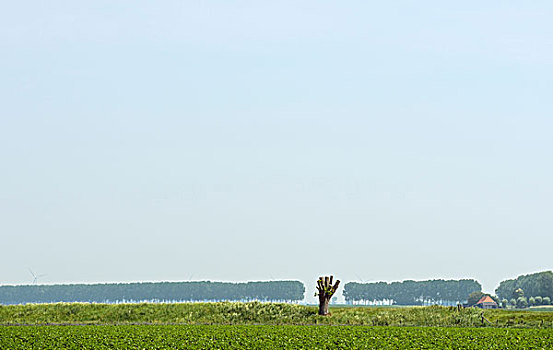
325, 291
323, 306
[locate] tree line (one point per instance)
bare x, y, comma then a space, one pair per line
411, 292
535, 289
526, 290
284, 291
534, 285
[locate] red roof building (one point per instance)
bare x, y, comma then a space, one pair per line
486, 302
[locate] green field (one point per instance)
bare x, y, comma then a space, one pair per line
268, 326
548, 308
268, 314
269, 337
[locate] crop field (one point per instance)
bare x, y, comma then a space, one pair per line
267, 326
258, 325
269, 337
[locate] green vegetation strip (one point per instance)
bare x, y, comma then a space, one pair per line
269, 337
269, 314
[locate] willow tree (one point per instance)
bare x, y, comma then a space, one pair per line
325, 291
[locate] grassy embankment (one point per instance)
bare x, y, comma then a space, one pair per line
267, 313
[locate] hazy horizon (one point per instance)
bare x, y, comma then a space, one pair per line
256, 141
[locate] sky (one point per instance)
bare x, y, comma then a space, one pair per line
255, 140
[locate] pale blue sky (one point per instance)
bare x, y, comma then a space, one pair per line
251, 140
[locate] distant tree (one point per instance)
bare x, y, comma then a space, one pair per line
504, 303
522, 302
538, 300
531, 301
513, 302
506, 289
533, 285
474, 297
518, 293
546, 301
325, 291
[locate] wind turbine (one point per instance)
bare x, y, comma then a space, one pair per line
35, 276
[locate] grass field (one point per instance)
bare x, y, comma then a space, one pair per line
269, 314
269, 337
541, 308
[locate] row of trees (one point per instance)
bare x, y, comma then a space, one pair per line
286, 291
534, 285
523, 302
527, 290
412, 292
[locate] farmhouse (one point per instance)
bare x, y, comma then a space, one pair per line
486, 303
